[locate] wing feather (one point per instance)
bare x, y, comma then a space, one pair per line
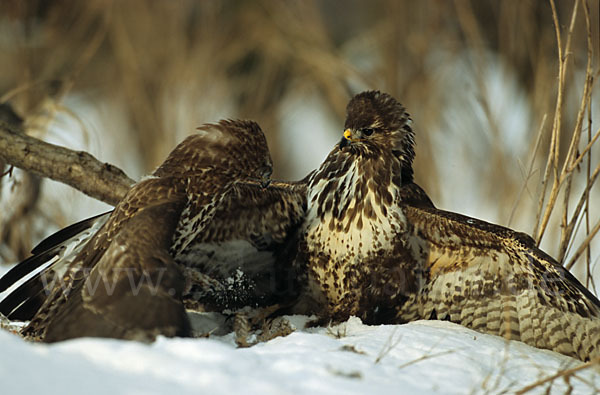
134, 291
510, 287
145, 197
56, 244
251, 211
54, 256
240, 257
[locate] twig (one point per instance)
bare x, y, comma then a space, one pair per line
589, 182
584, 199
584, 245
567, 232
562, 373
78, 169
529, 171
8, 172
425, 357
388, 346
553, 157
583, 153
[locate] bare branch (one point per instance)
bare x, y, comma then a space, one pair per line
78, 169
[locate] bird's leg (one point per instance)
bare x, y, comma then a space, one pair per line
264, 319
241, 329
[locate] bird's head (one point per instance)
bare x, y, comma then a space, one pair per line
236, 148
377, 124
247, 147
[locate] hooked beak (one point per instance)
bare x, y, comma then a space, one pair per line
348, 134
352, 135
347, 139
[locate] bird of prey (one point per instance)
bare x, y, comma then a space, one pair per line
373, 245
204, 227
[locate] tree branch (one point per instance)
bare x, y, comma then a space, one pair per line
77, 169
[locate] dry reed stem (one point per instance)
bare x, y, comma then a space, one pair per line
583, 200
562, 373
585, 151
529, 174
553, 155
255, 55
567, 229
584, 244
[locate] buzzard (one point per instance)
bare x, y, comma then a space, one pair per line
204, 227
373, 245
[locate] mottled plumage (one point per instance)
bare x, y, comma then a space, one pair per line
204, 228
373, 245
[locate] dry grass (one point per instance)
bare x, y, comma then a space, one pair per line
565, 374
169, 65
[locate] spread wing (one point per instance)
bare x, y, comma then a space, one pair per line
134, 290
495, 280
262, 215
240, 257
256, 221
205, 209
120, 256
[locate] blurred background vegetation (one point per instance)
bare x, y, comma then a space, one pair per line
490, 99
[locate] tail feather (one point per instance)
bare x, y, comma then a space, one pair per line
557, 329
466, 314
585, 336
26, 310
529, 322
57, 252
22, 269
22, 303
67, 233
524, 316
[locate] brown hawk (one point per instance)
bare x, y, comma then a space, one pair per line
373, 245
205, 227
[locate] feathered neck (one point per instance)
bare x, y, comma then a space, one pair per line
356, 180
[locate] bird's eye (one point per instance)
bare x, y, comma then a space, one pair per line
368, 131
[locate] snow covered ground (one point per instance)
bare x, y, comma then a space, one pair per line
351, 358
420, 357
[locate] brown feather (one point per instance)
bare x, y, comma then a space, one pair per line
373, 245
211, 190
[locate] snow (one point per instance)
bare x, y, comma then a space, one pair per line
351, 358
423, 357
